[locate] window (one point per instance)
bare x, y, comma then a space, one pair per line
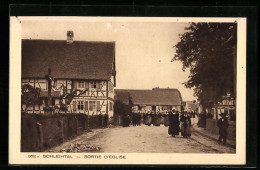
98, 106
80, 105
92, 105
93, 85
41, 83
81, 85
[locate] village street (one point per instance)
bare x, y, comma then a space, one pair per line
140, 139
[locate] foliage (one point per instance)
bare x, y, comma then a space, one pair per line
67, 96
208, 50
31, 96
121, 108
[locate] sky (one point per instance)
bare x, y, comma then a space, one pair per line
144, 50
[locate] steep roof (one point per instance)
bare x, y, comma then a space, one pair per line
78, 60
153, 97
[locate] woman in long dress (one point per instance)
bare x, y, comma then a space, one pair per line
170, 129
185, 125
148, 120
174, 124
157, 119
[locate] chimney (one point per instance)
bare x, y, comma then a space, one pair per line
70, 36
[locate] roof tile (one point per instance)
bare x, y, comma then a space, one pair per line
79, 60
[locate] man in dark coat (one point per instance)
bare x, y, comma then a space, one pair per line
223, 126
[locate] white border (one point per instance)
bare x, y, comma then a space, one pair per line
17, 157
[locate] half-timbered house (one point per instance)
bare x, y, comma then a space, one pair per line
157, 99
84, 65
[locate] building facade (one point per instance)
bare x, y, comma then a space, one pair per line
86, 66
228, 106
156, 100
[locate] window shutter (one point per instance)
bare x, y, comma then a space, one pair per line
74, 106
86, 105
98, 105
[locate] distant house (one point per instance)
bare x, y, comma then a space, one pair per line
190, 106
74, 64
226, 105
151, 100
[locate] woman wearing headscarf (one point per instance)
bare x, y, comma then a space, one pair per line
185, 125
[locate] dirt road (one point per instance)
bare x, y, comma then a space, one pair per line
142, 139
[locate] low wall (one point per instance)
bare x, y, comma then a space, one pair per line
41, 132
213, 128
30, 135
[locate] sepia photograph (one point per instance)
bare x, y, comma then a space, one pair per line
95, 85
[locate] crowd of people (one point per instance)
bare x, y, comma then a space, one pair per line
178, 122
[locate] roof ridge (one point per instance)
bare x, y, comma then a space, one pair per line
73, 40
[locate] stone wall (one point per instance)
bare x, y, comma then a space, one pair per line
40, 132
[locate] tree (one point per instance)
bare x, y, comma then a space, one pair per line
31, 96
66, 98
121, 109
208, 50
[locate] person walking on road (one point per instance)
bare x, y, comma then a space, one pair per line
223, 126
174, 123
185, 125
